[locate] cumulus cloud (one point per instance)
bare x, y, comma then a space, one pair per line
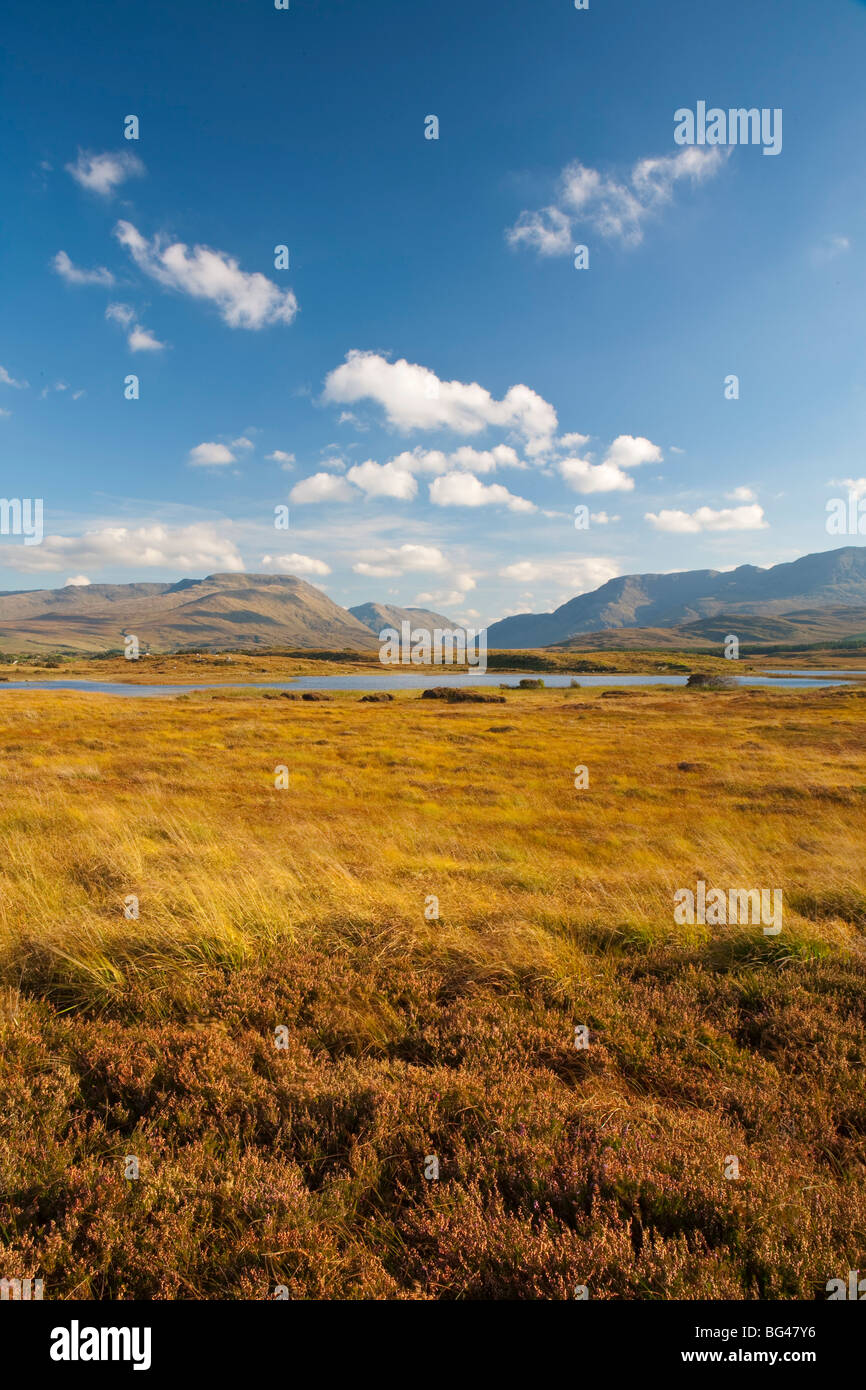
295, 564
435, 461
210, 456
142, 340
383, 480
485, 460
627, 451
458, 489
386, 561
78, 581
244, 300
707, 519
616, 210
103, 173
322, 487
74, 275
138, 338
741, 494
414, 398
282, 458
185, 548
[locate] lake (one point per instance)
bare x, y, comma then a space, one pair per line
410, 680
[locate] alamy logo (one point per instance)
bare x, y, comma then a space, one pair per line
444, 646
847, 518
854, 1289
22, 516
737, 126
77, 1343
737, 906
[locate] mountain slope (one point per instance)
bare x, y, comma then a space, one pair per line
833, 578
377, 616
804, 625
223, 610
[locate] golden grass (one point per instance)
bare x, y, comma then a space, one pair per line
409, 1037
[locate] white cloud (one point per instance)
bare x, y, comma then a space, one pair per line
210, 456
626, 451
102, 173
453, 597
706, 519
383, 480
185, 548
78, 581
414, 398
139, 339
613, 209
741, 494
387, 561
5, 414
8, 380
422, 461
485, 460
244, 300
120, 313
465, 490
585, 477
322, 487
295, 564
548, 231
282, 458
142, 340
579, 576
335, 463
74, 275
243, 443
435, 461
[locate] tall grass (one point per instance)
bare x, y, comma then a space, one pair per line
409, 1036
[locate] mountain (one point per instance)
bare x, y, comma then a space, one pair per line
377, 616
805, 626
223, 610
829, 579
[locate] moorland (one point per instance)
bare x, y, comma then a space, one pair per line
381, 957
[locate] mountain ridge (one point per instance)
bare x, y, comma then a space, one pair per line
818, 594
830, 578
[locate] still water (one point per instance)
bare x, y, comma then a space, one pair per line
410, 680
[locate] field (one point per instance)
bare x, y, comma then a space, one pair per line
286, 1036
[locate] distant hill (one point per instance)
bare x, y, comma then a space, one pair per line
832, 579
803, 627
223, 610
377, 616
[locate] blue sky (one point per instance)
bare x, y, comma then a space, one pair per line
431, 386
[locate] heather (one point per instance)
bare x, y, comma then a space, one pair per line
303, 915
